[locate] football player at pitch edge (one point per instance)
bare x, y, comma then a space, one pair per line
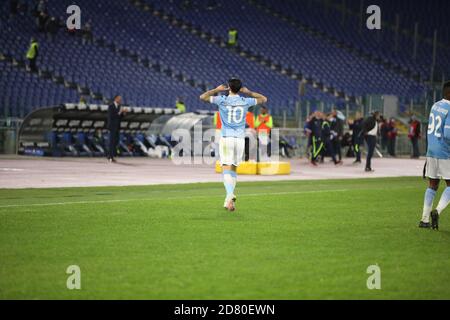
438, 160
233, 109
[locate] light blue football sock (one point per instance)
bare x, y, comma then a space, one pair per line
444, 201
228, 182
428, 204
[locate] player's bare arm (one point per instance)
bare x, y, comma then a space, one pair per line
208, 94
260, 99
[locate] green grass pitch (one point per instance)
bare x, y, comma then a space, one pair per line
287, 240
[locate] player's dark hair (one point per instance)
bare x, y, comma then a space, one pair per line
446, 89
116, 96
235, 85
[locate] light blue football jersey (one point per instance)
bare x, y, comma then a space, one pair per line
438, 133
233, 111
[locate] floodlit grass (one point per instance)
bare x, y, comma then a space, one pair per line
287, 240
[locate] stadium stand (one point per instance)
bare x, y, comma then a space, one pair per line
292, 48
153, 51
333, 22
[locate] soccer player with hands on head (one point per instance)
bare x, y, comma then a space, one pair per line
233, 110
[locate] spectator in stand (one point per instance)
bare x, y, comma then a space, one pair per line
52, 28
88, 36
232, 37
83, 101
187, 5
22, 7
42, 21
32, 54
42, 7
414, 135
13, 8
392, 133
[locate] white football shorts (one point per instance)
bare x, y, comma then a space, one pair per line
231, 151
438, 168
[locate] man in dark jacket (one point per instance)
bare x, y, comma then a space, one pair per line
337, 127
315, 127
414, 135
13, 7
328, 136
384, 133
392, 137
370, 132
52, 28
357, 138
115, 113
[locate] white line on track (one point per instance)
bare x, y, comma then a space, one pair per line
168, 198
11, 169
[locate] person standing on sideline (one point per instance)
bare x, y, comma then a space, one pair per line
357, 138
328, 137
392, 137
337, 128
370, 132
264, 125
32, 54
384, 128
414, 135
315, 125
115, 113
438, 160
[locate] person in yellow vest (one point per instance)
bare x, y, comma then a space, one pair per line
263, 125
264, 122
232, 37
32, 54
179, 104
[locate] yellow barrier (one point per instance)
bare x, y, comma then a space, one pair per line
274, 168
261, 168
246, 168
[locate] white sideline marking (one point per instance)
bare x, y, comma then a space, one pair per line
169, 198
11, 169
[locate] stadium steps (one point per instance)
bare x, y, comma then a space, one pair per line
245, 53
145, 62
369, 56
46, 75
391, 24
133, 56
